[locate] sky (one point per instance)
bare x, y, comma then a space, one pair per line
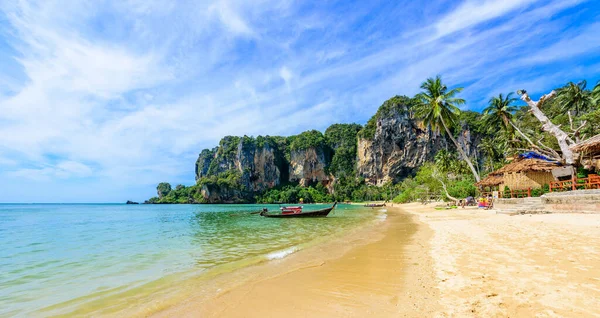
100, 100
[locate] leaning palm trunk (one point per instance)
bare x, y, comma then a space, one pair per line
439, 179
462, 152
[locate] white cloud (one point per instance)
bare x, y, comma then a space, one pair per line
286, 75
473, 12
62, 170
231, 19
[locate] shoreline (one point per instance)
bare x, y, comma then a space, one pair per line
366, 271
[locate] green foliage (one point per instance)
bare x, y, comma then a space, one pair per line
341, 138
546, 188
462, 188
499, 112
293, 194
438, 105
181, 194
506, 194
396, 104
228, 179
308, 139
473, 121
574, 97
163, 189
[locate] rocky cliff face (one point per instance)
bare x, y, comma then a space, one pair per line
307, 166
244, 166
399, 146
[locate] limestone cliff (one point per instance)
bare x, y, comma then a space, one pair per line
307, 166
242, 167
396, 146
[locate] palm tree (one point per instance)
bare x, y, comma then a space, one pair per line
443, 160
596, 94
500, 111
490, 149
574, 96
438, 110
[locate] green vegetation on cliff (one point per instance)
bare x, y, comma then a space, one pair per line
308, 139
396, 104
341, 138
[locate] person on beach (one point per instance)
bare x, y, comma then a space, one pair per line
490, 202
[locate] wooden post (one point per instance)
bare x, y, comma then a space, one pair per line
573, 181
529, 192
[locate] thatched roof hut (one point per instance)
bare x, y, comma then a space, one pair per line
521, 174
591, 145
589, 151
527, 165
491, 181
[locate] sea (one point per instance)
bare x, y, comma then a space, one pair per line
78, 259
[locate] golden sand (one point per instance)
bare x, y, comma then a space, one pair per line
424, 263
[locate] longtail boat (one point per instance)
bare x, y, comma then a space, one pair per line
307, 214
374, 205
291, 209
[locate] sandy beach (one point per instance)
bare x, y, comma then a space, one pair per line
421, 262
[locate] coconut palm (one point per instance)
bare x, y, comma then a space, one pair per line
574, 97
443, 160
596, 94
438, 109
500, 111
489, 148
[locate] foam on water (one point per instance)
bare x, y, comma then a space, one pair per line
283, 253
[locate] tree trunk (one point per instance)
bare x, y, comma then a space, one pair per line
564, 141
549, 153
462, 152
439, 179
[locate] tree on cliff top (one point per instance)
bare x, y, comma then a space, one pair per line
308, 139
396, 104
438, 109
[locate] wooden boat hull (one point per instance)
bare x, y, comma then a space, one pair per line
310, 214
374, 205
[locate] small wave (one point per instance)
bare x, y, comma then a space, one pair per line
281, 254
381, 216
382, 210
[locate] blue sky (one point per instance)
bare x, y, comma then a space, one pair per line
101, 100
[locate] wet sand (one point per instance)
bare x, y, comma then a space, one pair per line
423, 263
379, 271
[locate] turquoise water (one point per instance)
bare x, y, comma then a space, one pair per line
58, 258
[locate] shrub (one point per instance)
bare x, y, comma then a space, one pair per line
404, 197
506, 192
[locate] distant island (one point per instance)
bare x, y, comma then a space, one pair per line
407, 151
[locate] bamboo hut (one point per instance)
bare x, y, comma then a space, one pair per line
589, 153
492, 181
521, 174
